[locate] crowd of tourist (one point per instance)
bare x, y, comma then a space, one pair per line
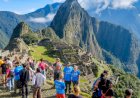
16, 75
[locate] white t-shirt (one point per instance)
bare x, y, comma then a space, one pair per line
38, 79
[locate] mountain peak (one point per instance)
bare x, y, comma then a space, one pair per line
21, 29
72, 3
74, 26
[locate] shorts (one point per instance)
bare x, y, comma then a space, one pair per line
4, 77
60, 96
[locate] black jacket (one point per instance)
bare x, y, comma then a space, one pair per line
24, 76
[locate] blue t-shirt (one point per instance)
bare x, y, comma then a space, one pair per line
60, 87
17, 71
75, 75
68, 73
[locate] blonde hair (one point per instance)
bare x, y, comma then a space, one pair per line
58, 59
76, 90
61, 75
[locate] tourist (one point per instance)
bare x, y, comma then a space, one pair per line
9, 62
60, 86
24, 78
57, 69
76, 92
75, 76
10, 77
107, 91
57, 63
1, 62
128, 93
57, 72
16, 59
31, 63
39, 79
98, 86
42, 65
106, 73
67, 76
17, 71
3, 69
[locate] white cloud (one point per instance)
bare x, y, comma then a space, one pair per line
123, 3
100, 5
46, 19
38, 20
50, 16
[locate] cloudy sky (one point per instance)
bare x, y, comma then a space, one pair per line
25, 6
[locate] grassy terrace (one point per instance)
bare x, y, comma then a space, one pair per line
38, 52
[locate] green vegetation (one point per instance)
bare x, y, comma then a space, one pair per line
38, 52
125, 81
30, 38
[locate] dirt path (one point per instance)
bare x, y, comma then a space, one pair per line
47, 92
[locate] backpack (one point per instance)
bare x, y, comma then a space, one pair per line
102, 83
95, 83
96, 94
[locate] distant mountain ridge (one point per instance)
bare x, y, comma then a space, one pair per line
128, 18
9, 20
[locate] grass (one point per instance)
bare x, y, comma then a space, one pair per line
38, 52
102, 67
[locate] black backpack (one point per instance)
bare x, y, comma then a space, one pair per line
102, 83
22, 75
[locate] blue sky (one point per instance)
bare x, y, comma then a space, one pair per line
23, 6
26, 6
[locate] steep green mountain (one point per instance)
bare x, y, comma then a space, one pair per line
3, 39
119, 42
9, 20
22, 35
20, 30
74, 26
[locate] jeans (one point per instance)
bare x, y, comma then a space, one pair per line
10, 83
68, 85
25, 90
